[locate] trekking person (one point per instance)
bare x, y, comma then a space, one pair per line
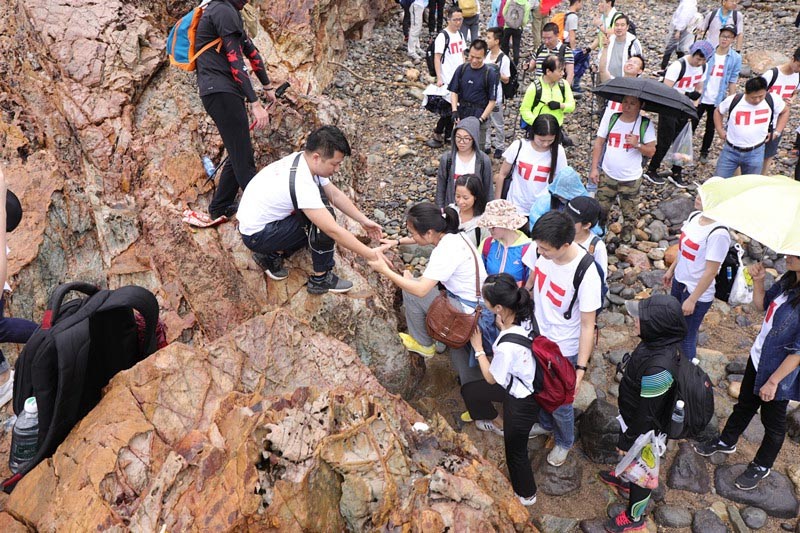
436, 15
633, 68
414, 49
473, 88
716, 19
553, 264
622, 142
470, 205
515, 14
406, 23
16, 330
604, 23
547, 95
685, 76
622, 44
552, 45
537, 21
644, 394
496, 132
585, 213
510, 374
503, 249
448, 58
702, 248
783, 81
681, 34
570, 36
225, 89
770, 378
470, 28
532, 163
757, 118
464, 157
269, 213
722, 75
565, 186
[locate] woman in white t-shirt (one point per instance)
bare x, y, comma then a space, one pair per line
535, 162
470, 204
691, 278
510, 373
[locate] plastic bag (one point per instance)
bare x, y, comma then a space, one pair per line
742, 287
681, 153
640, 464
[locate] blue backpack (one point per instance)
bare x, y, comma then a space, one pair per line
181, 40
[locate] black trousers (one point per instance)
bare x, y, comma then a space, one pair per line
511, 39
669, 127
444, 126
435, 15
229, 113
773, 416
708, 136
406, 20
519, 415
478, 397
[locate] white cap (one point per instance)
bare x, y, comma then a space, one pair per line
30, 406
680, 404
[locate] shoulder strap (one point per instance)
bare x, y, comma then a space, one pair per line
562, 52
735, 102
487, 246
683, 69
292, 178
644, 123
736, 19
477, 271
580, 272
538, 97
612, 121
563, 89
774, 71
771, 104
477, 234
593, 244
694, 215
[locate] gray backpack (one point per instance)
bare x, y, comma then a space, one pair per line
514, 16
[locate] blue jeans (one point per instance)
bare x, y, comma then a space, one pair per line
693, 321
16, 330
288, 236
731, 159
561, 421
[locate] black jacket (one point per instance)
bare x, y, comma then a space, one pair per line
662, 327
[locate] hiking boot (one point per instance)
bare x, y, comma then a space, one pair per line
412, 345
7, 389
751, 477
272, 265
527, 502
623, 523
710, 447
437, 141
498, 153
537, 430
677, 180
622, 486
557, 456
330, 282
703, 158
488, 425
653, 177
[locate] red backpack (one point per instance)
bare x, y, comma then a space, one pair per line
554, 383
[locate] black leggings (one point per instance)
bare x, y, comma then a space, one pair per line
230, 115
668, 129
445, 126
435, 15
708, 136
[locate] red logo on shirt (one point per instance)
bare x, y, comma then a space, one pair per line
744, 118
688, 81
615, 140
770, 310
554, 293
616, 107
687, 247
717, 71
457, 47
784, 91
526, 169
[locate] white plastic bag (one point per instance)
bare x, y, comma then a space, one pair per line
742, 287
640, 464
681, 153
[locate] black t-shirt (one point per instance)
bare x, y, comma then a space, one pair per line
475, 87
220, 19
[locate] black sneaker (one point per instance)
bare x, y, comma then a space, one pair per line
622, 486
498, 153
710, 447
751, 477
677, 180
329, 283
653, 177
272, 264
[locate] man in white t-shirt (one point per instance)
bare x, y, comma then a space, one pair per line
622, 140
448, 55
552, 289
286, 197
783, 81
716, 19
751, 123
496, 134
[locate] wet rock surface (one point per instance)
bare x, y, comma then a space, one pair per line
689, 471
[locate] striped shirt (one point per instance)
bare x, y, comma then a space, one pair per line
569, 58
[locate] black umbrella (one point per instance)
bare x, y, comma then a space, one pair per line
656, 96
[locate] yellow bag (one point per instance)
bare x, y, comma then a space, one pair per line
250, 20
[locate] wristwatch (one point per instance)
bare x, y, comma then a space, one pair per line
580, 367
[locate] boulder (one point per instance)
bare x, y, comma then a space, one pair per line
657, 230
754, 517
558, 481
775, 493
713, 362
706, 521
761, 60
599, 432
689, 472
555, 524
670, 254
673, 516
677, 209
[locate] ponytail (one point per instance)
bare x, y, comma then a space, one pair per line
426, 216
502, 289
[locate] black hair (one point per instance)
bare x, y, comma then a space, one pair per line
502, 289
556, 228
796, 55
426, 216
573, 2
450, 10
547, 125
755, 84
479, 44
550, 64
622, 17
640, 57
496, 31
551, 27
612, 2
326, 141
473, 184
790, 281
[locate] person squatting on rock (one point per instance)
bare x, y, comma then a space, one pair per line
496, 136
464, 157
771, 377
275, 218
645, 393
225, 88
473, 88
751, 123
623, 140
448, 57
783, 82
553, 263
702, 248
509, 377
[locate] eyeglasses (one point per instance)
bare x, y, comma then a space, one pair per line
462, 139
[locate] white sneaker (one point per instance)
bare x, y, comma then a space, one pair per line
537, 430
557, 456
527, 502
7, 389
488, 425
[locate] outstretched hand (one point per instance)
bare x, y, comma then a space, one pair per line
373, 229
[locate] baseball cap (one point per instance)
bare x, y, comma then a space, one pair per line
584, 209
729, 27
633, 307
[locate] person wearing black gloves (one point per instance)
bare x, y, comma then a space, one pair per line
225, 89
645, 393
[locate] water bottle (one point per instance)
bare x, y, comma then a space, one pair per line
208, 165
729, 273
676, 426
24, 437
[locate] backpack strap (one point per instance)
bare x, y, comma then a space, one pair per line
487, 246
537, 99
771, 104
612, 121
563, 90
593, 244
292, 179
53, 310
520, 340
682, 61
735, 102
644, 123
580, 272
774, 72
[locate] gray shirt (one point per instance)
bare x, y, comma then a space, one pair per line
615, 60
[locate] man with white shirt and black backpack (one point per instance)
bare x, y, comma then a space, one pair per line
496, 132
754, 118
783, 81
448, 56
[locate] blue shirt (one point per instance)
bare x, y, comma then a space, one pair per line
782, 340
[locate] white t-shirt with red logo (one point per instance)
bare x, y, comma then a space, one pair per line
463, 167
691, 77
552, 292
766, 327
749, 124
784, 86
531, 173
622, 161
714, 82
699, 244
454, 56
513, 361
453, 263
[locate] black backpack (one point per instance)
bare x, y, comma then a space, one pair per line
713, 13
511, 88
430, 53
768, 99
587, 262
694, 388
723, 282
79, 347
